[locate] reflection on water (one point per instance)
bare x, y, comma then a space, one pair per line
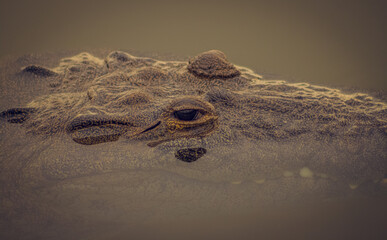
267, 159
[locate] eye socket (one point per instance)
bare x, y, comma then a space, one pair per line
186, 114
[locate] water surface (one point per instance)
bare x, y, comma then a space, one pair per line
300, 187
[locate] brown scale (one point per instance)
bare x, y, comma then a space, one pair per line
158, 101
212, 64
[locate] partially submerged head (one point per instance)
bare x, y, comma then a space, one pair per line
97, 101
184, 117
205, 102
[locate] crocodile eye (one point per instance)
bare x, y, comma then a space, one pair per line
186, 115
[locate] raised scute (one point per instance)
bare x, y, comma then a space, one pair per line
212, 64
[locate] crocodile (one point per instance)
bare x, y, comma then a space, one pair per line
102, 118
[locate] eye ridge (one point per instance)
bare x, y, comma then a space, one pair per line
186, 114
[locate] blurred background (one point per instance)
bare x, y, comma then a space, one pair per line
332, 42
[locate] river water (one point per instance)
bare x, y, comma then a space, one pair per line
52, 187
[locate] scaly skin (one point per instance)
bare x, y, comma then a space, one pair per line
107, 139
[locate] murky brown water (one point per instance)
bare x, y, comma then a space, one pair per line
297, 188
148, 193
54, 188
330, 42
